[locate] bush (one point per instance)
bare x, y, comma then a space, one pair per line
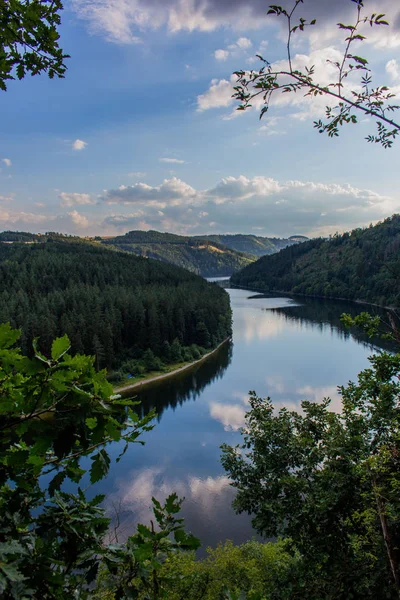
195, 352
253, 568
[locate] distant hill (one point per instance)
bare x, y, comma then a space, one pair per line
18, 236
198, 255
210, 256
253, 244
361, 265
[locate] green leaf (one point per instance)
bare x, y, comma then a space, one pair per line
11, 571
59, 347
8, 336
100, 466
91, 422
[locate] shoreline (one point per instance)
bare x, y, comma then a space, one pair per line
143, 382
315, 296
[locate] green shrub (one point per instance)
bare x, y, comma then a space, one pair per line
253, 568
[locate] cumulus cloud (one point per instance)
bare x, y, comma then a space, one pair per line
20, 219
221, 54
393, 68
122, 21
78, 219
71, 199
220, 92
242, 204
218, 95
242, 44
79, 145
173, 161
171, 192
7, 162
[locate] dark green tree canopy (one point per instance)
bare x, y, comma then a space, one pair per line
29, 39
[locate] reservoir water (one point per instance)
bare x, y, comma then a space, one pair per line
288, 349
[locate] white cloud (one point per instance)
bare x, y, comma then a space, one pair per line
218, 95
174, 161
72, 199
6, 198
221, 54
393, 68
79, 145
241, 203
22, 218
78, 219
220, 92
244, 43
122, 21
7, 162
172, 191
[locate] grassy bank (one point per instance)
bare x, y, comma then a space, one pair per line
167, 371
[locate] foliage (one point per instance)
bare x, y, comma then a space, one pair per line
29, 39
253, 570
134, 569
53, 412
364, 98
330, 483
112, 305
361, 265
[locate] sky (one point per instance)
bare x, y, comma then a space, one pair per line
143, 132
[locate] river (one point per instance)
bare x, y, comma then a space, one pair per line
288, 349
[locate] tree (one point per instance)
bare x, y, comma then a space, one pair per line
29, 39
350, 100
53, 411
330, 483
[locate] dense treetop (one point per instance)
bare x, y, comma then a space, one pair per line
361, 265
112, 305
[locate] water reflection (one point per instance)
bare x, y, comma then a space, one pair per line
325, 314
188, 385
287, 349
204, 498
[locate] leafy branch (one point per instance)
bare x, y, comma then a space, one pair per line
374, 102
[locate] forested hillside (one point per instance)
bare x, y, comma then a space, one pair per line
112, 305
210, 259
252, 244
18, 236
361, 265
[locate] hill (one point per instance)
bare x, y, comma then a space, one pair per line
253, 244
18, 236
113, 305
361, 265
198, 255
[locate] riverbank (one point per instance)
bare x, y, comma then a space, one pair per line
150, 377
273, 293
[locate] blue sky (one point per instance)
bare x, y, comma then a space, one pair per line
142, 132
